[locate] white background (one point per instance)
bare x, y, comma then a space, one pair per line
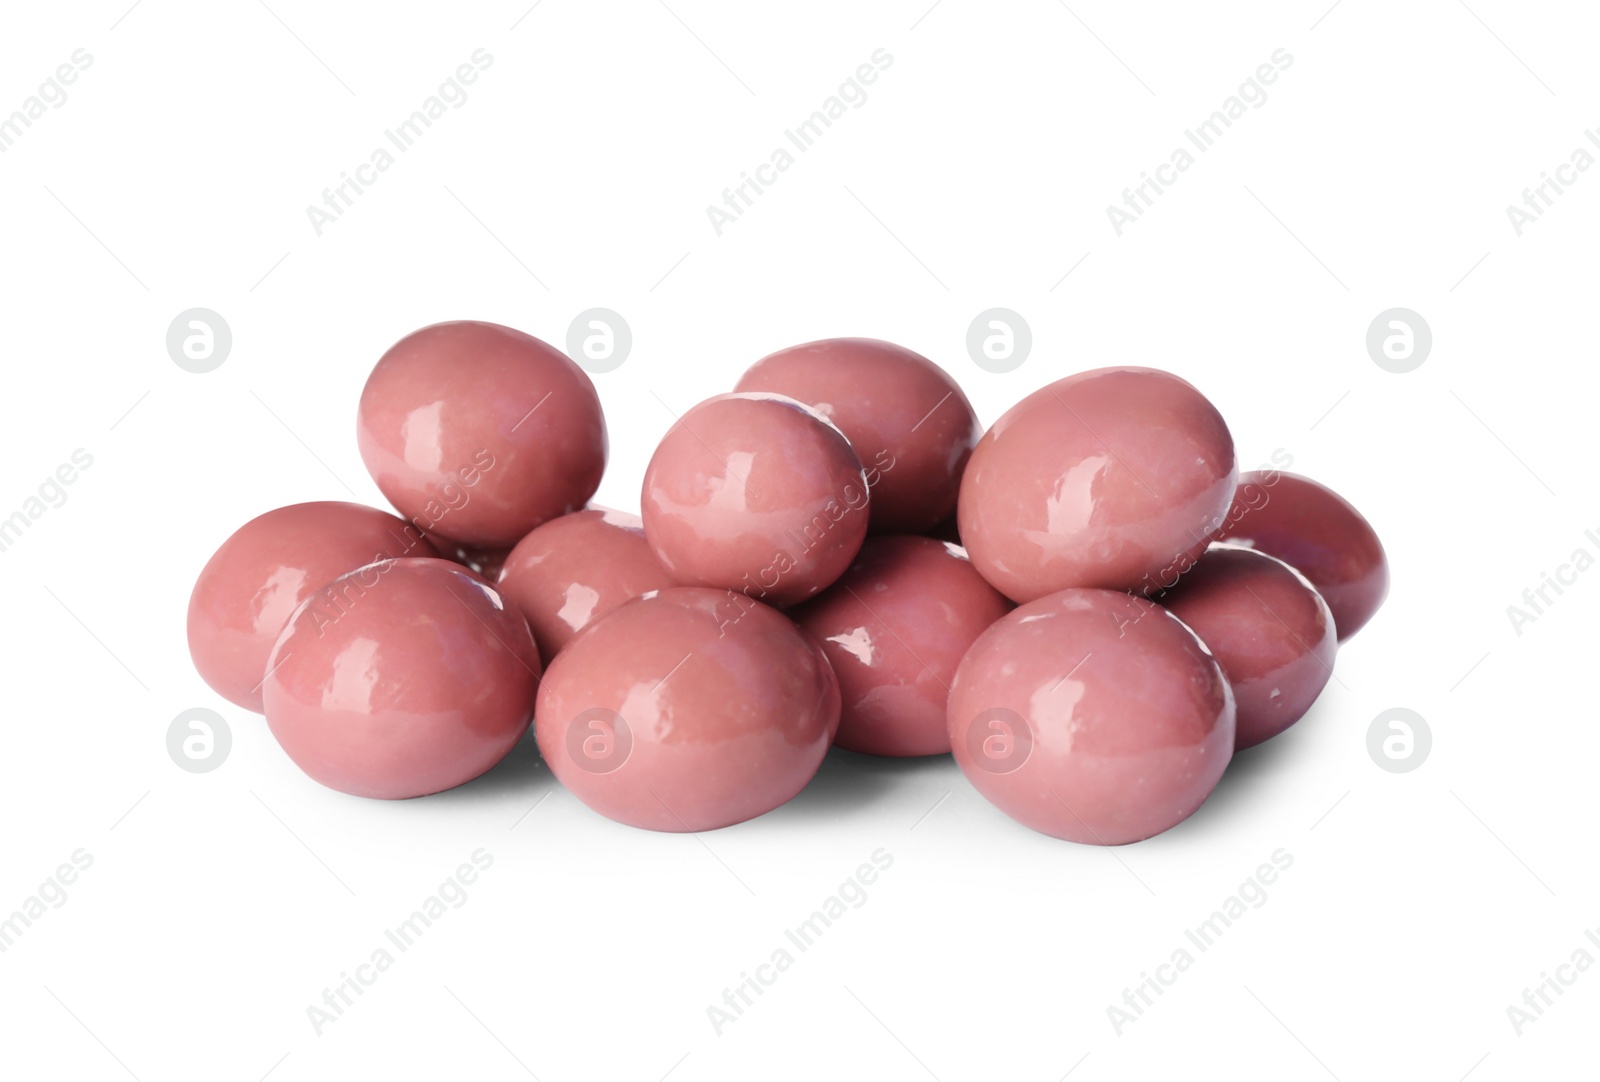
219, 906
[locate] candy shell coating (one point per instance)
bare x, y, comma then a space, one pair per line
755, 493
1092, 715
573, 570
478, 432
910, 423
687, 710
260, 574
894, 628
1317, 532
1111, 478
1268, 628
400, 679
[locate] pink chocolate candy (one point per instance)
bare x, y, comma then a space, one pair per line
253, 583
687, 710
401, 679
907, 419
894, 629
479, 433
755, 493
1110, 478
1092, 715
574, 569
1269, 629
1317, 532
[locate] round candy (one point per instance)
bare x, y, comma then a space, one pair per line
1115, 478
479, 433
687, 710
273, 562
894, 629
574, 569
755, 493
1314, 530
1092, 715
402, 678
1268, 628
909, 422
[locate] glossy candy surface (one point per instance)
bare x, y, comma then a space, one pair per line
910, 423
479, 433
574, 569
831, 554
260, 574
401, 679
755, 493
1113, 478
1092, 715
1269, 629
1317, 532
484, 562
894, 628
687, 710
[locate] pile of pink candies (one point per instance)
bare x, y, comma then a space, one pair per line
1087, 604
